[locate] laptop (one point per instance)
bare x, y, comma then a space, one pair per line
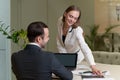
69, 60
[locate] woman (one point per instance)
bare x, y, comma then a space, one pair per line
70, 37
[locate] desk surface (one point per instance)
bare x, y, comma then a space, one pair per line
113, 69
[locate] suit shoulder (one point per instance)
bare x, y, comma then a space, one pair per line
16, 53
48, 53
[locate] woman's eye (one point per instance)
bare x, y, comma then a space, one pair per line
73, 17
70, 16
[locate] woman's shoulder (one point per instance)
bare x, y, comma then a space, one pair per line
59, 22
60, 19
79, 28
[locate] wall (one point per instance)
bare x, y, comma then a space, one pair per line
101, 15
87, 18
23, 12
5, 67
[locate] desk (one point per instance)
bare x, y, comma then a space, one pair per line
113, 69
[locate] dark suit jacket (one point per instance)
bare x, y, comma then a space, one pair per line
33, 63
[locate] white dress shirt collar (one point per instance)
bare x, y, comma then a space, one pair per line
34, 44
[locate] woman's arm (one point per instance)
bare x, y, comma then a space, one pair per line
84, 47
87, 51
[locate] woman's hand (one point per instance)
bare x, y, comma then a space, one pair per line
96, 71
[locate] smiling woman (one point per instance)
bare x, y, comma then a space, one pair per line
72, 41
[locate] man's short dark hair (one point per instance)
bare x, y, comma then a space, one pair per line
35, 29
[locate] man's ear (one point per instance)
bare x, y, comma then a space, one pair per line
38, 39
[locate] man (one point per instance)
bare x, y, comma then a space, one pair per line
32, 63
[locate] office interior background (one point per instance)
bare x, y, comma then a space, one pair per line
19, 13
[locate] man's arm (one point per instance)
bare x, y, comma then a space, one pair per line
13, 64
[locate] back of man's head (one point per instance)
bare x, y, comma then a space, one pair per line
35, 29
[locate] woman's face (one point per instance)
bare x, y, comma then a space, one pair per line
71, 17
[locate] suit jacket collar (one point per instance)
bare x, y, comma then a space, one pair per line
30, 46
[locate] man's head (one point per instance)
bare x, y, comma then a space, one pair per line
38, 32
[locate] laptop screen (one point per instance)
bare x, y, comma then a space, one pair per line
67, 59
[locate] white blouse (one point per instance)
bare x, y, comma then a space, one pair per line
74, 42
